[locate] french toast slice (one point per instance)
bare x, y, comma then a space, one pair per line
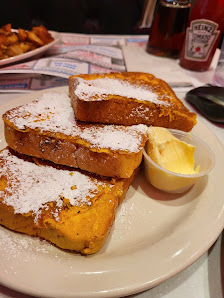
128, 98
73, 209
46, 128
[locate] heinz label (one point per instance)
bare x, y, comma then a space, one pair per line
200, 38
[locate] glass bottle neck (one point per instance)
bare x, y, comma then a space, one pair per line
176, 3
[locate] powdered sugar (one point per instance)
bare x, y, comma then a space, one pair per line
53, 113
141, 112
32, 186
90, 90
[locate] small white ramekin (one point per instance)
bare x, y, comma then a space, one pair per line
174, 182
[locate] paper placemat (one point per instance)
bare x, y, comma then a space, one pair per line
137, 59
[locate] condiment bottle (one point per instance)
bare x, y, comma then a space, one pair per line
203, 34
168, 28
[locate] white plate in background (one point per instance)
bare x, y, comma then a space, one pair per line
34, 53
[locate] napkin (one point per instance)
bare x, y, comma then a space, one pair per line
167, 69
137, 59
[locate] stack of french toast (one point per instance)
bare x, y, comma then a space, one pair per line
72, 156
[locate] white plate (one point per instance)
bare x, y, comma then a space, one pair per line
34, 53
155, 236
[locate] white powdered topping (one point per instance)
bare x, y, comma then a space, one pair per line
53, 112
100, 88
113, 138
32, 186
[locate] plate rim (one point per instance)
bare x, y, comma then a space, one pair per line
140, 287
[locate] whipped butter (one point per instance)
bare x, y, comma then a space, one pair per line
170, 164
169, 152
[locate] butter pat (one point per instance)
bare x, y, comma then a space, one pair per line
169, 152
174, 160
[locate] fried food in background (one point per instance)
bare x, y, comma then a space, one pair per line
16, 43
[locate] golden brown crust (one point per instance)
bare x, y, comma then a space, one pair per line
117, 110
62, 150
85, 232
79, 228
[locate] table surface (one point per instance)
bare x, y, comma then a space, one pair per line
205, 277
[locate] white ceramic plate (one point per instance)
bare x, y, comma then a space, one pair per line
34, 53
155, 236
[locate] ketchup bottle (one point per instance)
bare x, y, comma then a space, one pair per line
203, 34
